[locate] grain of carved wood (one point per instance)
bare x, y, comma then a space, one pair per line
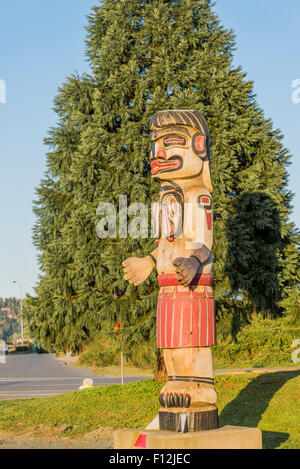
183, 230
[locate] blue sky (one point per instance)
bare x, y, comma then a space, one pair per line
42, 42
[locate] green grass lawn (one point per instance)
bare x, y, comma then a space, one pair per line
269, 401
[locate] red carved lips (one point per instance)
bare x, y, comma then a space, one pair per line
156, 166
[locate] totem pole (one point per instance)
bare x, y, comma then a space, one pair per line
183, 227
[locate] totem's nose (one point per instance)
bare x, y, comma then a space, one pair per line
161, 154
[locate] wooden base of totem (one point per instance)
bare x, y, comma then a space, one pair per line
227, 437
188, 420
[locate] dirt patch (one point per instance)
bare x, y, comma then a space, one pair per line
97, 439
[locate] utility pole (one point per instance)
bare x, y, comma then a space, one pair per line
117, 328
21, 305
122, 362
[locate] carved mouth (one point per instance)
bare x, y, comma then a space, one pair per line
169, 165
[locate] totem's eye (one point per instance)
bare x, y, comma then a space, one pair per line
174, 139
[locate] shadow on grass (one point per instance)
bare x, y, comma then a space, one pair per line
251, 403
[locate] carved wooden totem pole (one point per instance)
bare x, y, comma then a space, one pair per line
183, 227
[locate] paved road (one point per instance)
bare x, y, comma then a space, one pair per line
34, 375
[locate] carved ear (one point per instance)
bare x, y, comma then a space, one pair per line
206, 178
199, 145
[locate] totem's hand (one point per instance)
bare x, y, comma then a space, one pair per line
186, 269
137, 270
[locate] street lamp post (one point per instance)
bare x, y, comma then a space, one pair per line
118, 327
122, 362
21, 304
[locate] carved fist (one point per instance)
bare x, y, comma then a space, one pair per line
186, 269
137, 269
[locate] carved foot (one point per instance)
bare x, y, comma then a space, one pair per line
175, 400
185, 394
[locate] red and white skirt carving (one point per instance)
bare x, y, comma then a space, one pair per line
185, 318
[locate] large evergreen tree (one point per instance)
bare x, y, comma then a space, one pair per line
9, 318
147, 56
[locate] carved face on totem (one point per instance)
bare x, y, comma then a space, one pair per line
180, 146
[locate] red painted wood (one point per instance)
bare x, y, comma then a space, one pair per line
186, 323
203, 322
205, 200
208, 219
177, 323
184, 319
210, 327
168, 280
169, 320
196, 322
199, 142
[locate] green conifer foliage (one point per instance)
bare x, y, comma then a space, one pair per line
9, 318
147, 56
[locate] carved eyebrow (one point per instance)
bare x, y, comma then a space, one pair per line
156, 134
174, 139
